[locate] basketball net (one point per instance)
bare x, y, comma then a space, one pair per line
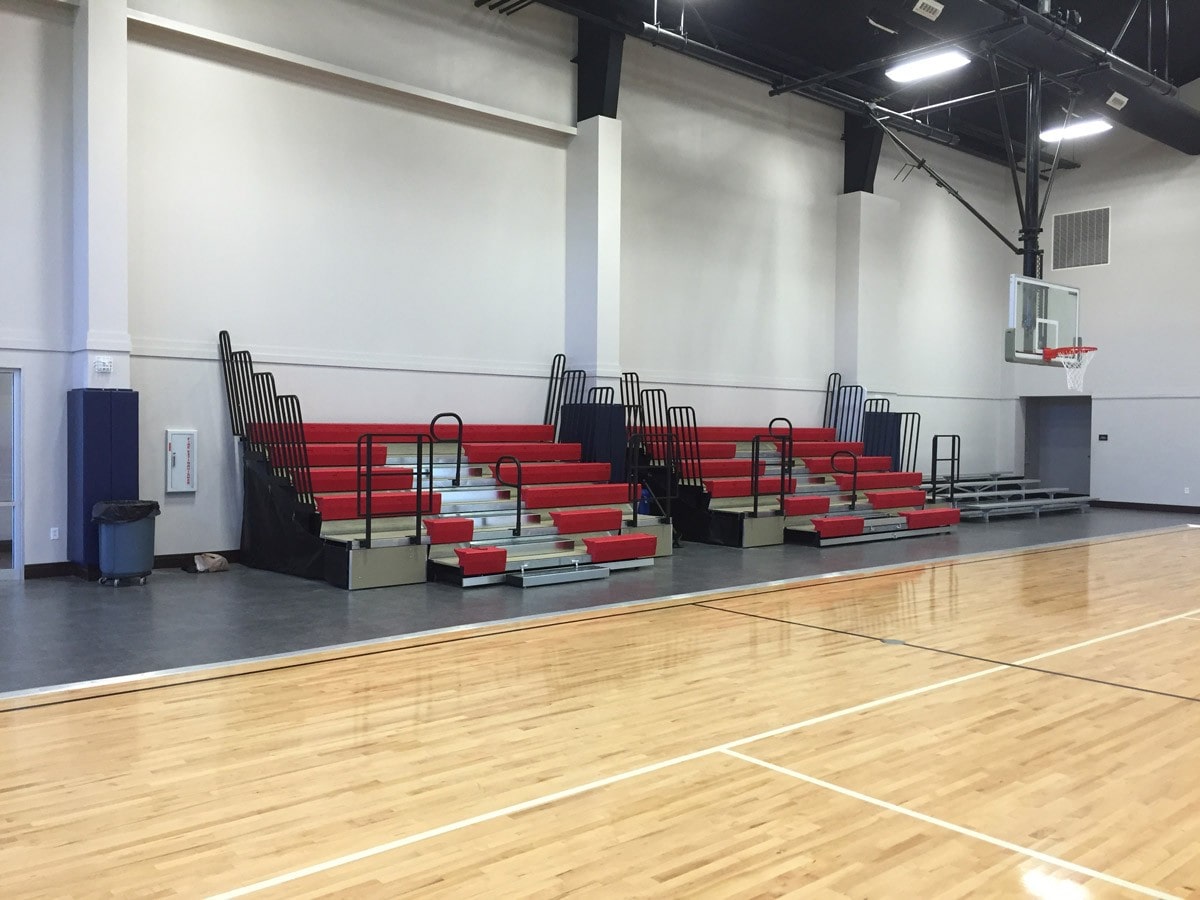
1075, 361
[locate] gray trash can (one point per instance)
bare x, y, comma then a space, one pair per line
126, 539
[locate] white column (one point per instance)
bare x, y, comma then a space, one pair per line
868, 302
593, 289
100, 326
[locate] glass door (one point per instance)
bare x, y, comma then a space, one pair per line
10, 517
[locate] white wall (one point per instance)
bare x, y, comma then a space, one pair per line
932, 301
1141, 310
386, 259
727, 239
521, 63
35, 251
730, 261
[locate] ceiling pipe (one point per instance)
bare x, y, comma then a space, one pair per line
822, 94
1083, 45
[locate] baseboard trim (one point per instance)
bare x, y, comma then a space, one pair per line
55, 570
91, 573
1147, 507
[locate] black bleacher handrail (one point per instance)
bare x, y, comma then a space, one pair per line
684, 430
654, 421
458, 441
638, 459
850, 412
910, 436
631, 397
268, 422
853, 473
955, 460
605, 394
360, 476
297, 447
519, 485
278, 428
554, 390
237, 416
785, 445
787, 451
833, 384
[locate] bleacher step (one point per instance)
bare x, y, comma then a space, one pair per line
565, 575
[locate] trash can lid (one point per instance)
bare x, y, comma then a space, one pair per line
120, 511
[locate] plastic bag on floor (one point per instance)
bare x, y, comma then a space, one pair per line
208, 562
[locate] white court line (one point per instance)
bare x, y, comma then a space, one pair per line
1106, 637
645, 770
959, 829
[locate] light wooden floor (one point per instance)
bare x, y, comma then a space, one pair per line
1025, 725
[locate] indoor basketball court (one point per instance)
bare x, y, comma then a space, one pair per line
1011, 724
631, 448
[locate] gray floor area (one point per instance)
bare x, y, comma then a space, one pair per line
62, 630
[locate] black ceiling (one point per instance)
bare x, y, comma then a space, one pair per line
782, 41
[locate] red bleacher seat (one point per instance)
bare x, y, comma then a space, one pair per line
746, 433
742, 487
805, 449
555, 472
879, 480
481, 560
722, 468
895, 499
805, 506
823, 465
931, 518
349, 432
579, 521
616, 547
339, 507
329, 479
524, 451
343, 455
714, 449
553, 495
838, 526
450, 530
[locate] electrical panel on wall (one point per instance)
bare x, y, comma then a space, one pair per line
181, 460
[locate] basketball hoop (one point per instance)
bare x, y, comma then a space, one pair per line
1074, 359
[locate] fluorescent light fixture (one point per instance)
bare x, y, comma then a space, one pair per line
928, 66
1082, 128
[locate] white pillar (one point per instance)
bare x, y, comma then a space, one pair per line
593, 265
100, 326
868, 301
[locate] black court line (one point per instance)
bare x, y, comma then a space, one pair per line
973, 658
303, 663
639, 607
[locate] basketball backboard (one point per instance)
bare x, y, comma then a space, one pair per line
1040, 315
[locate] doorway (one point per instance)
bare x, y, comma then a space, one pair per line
1058, 442
10, 483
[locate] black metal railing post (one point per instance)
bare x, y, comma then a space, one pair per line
955, 460
364, 478
458, 440
519, 485
853, 473
787, 451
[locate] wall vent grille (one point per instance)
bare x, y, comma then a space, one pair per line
1081, 239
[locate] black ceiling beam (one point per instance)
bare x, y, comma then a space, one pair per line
822, 94
963, 101
863, 142
598, 85
1082, 45
794, 85
920, 163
